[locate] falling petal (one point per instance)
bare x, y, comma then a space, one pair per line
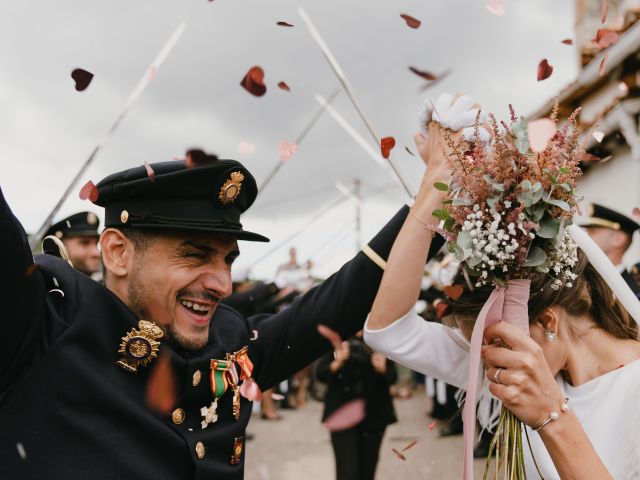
150, 173
253, 82
424, 74
411, 444
287, 150
636, 214
245, 148
346, 416
82, 79
540, 132
598, 136
398, 454
603, 65
496, 7
605, 37
409, 151
277, 397
567, 41
604, 9
284, 86
544, 70
161, 388
334, 337
254, 335
386, 145
21, 451
432, 426
89, 192
454, 292
284, 24
441, 309
250, 390
411, 21
589, 157
623, 87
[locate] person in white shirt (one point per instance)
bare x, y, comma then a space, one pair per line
582, 345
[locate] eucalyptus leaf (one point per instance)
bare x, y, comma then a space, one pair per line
440, 213
549, 227
565, 170
448, 223
491, 201
464, 240
443, 187
536, 195
566, 187
519, 129
474, 261
536, 186
536, 257
526, 199
559, 203
462, 202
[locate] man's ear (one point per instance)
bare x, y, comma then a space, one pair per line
117, 252
550, 319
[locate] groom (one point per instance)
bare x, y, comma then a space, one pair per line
150, 376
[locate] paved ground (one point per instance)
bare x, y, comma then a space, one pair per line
297, 447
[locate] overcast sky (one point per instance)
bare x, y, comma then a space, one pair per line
47, 129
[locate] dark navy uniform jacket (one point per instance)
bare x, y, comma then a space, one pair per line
67, 411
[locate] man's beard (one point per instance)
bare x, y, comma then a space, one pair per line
139, 296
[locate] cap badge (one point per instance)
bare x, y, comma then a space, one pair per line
231, 188
91, 218
124, 216
139, 346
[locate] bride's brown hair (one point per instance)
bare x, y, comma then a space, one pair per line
589, 296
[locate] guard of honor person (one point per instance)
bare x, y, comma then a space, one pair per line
613, 232
79, 235
77, 356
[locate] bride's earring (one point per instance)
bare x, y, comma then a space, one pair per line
550, 335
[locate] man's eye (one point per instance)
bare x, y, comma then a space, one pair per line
198, 256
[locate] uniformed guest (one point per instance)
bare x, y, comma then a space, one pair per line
78, 358
613, 232
79, 235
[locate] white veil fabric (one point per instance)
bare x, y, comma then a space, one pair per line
607, 270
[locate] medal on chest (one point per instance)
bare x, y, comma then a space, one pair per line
228, 374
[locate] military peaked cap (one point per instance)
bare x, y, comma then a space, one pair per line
600, 216
82, 224
204, 196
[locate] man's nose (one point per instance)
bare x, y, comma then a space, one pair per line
218, 281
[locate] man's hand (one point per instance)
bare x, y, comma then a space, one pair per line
379, 362
341, 355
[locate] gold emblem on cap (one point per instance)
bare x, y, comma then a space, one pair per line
91, 218
139, 346
58, 234
124, 216
231, 188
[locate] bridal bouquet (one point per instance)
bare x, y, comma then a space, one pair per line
507, 208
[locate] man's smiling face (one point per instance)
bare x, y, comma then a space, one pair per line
177, 282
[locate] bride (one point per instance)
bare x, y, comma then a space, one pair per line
582, 351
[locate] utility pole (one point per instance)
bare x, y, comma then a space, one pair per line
356, 192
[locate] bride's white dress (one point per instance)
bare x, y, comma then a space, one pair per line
608, 406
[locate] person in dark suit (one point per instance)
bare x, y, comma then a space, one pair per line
149, 376
351, 373
613, 232
79, 235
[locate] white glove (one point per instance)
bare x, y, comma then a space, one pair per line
455, 115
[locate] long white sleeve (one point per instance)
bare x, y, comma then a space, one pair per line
426, 347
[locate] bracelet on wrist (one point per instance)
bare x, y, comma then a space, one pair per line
427, 226
553, 415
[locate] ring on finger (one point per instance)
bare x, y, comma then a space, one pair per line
496, 376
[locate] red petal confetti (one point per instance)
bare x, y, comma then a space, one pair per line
253, 82
150, 173
398, 454
287, 150
567, 41
411, 444
605, 37
411, 21
636, 214
604, 9
603, 65
30, 270
496, 7
386, 144
540, 132
334, 337
544, 70
409, 151
441, 309
424, 74
161, 387
82, 79
89, 192
250, 390
245, 148
589, 157
284, 86
432, 426
454, 292
284, 24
